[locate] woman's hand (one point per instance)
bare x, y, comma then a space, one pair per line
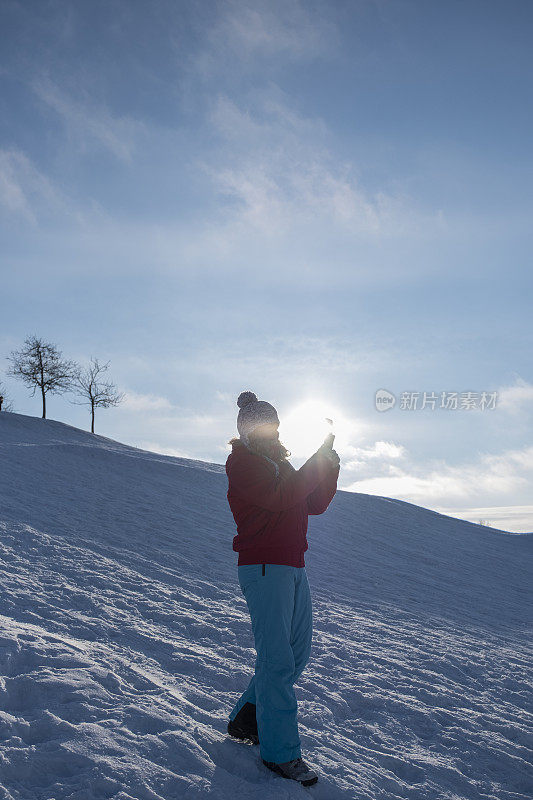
333, 457
328, 441
330, 454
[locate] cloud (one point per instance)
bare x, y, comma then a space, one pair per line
285, 358
359, 456
155, 447
283, 28
225, 397
492, 475
264, 32
514, 398
29, 194
277, 172
145, 402
88, 123
167, 413
518, 518
23, 189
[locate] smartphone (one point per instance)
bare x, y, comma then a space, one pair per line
328, 441
330, 438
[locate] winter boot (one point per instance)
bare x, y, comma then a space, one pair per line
297, 770
244, 726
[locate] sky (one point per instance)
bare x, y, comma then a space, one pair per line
314, 201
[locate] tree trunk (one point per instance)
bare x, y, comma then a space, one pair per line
92, 418
44, 403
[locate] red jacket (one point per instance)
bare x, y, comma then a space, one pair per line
271, 512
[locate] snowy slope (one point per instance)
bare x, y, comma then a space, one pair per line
125, 639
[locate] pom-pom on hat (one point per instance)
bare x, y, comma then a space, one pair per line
253, 413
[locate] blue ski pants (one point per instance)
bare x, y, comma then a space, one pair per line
279, 602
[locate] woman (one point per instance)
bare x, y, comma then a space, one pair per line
270, 502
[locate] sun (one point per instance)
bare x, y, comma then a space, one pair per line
303, 428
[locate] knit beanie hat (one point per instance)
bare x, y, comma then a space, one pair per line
252, 413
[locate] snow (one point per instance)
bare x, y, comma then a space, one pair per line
125, 640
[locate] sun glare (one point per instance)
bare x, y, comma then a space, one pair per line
304, 428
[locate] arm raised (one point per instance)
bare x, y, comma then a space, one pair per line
252, 479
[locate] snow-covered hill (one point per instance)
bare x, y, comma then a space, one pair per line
125, 639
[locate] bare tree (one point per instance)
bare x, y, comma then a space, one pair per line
5, 402
39, 364
95, 392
